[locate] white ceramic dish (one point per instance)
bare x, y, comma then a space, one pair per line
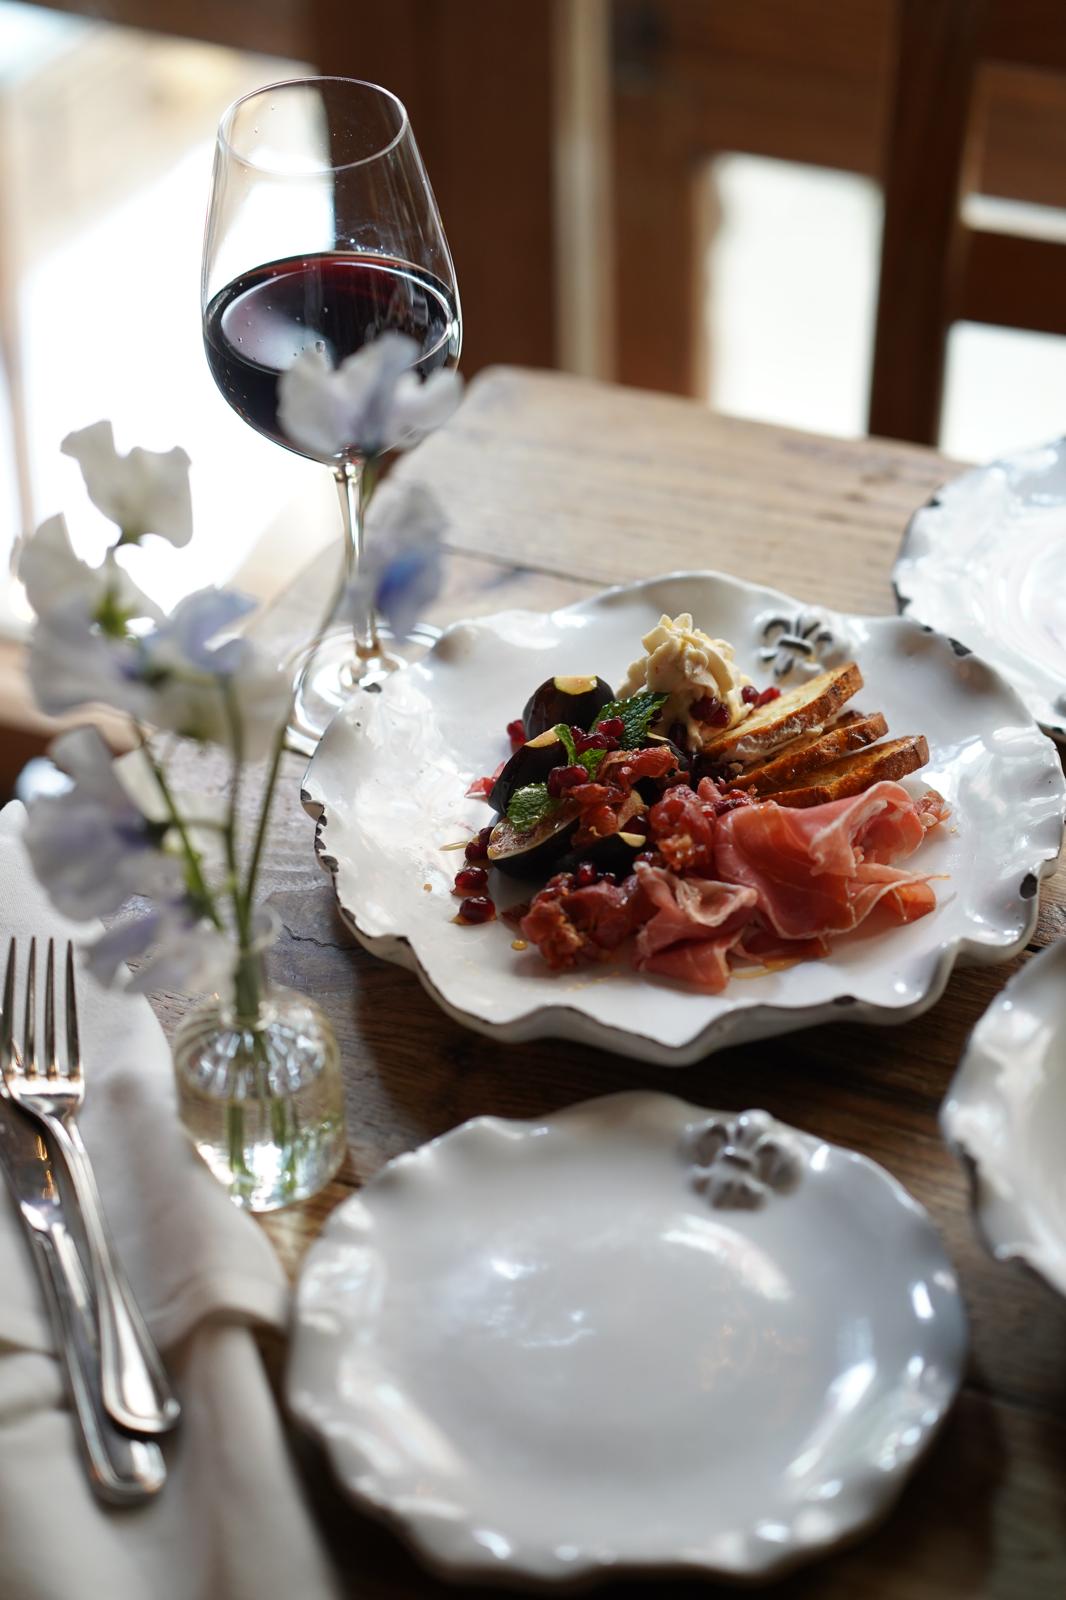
631, 1335
389, 779
983, 563
1005, 1113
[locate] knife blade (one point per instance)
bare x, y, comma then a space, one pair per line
122, 1470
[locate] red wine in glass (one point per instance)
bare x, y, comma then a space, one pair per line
256, 326
322, 233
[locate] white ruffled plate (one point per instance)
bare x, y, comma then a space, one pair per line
389, 778
983, 563
1005, 1113
631, 1335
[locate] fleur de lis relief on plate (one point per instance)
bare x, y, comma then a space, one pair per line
802, 640
738, 1162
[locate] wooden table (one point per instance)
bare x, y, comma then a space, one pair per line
554, 487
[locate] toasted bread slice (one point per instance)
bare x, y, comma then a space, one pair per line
809, 705
854, 773
812, 751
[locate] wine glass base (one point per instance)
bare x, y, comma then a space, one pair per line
329, 673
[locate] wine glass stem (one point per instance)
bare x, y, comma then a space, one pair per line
350, 482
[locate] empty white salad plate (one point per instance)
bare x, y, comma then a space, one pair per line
390, 779
631, 1335
1005, 1114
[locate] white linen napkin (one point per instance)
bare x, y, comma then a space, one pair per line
231, 1522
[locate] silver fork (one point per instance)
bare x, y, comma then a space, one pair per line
135, 1387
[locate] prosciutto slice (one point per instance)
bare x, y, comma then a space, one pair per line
823, 870
570, 925
693, 925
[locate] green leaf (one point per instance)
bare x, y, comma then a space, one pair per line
637, 713
566, 739
591, 758
530, 805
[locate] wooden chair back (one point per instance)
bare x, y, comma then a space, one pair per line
935, 268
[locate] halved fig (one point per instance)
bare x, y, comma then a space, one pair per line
530, 763
574, 701
613, 853
531, 852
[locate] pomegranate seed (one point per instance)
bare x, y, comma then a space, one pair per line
471, 880
768, 695
749, 694
592, 741
478, 848
730, 800
711, 710
479, 908
586, 875
650, 858
560, 779
516, 732
614, 727
636, 825
609, 877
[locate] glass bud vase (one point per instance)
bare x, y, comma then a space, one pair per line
260, 1091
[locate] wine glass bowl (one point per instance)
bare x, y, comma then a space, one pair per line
322, 233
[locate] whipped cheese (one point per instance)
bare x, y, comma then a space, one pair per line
686, 664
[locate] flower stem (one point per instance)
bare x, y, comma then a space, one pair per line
242, 905
197, 882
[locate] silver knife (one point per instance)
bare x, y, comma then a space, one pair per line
122, 1470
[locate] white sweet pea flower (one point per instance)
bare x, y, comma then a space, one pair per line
144, 492
185, 952
402, 571
372, 402
91, 847
71, 663
55, 579
198, 676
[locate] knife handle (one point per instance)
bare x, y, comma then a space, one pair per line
136, 1387
122, 1471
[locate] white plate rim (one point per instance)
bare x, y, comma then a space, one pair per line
1004, 1217
908, 592
745, 1020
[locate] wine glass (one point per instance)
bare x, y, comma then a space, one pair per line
322, 230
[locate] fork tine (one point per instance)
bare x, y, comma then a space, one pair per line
73, 1047
7, 1019
29, 1025
51, 1065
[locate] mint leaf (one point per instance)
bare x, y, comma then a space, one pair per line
637, 713
566, 739
530, 805
590, 760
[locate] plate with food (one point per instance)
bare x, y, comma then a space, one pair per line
685, 813
983, 561
635, 1336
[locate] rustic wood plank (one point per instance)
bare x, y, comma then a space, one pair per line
609, 485
555, 486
